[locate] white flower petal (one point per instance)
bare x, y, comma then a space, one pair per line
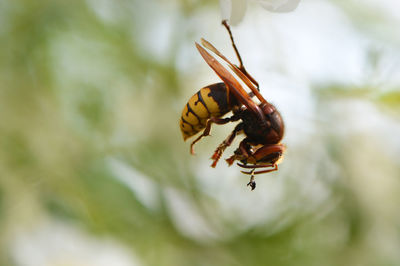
226, 7
233, 10
279, 5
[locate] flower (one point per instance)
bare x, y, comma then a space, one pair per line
234, 10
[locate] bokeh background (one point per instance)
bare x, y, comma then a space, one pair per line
93, 168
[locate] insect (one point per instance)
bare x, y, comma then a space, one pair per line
261, 149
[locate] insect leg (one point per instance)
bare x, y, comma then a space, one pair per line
271, 153
254, 166
253, 172
226, 143
206, 132
241, 66
252, 182
241, 153
267, 171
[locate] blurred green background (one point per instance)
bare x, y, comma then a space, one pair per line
93, 168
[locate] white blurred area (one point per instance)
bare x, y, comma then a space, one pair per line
55, 243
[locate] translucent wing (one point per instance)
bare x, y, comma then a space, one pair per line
235, 69
230, 81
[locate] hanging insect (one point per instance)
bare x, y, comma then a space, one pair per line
261, 123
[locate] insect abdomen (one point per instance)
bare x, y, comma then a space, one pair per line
210, 101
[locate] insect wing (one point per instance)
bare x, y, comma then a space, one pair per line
235, 69
231, 82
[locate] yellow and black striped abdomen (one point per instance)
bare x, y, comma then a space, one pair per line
210, 101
